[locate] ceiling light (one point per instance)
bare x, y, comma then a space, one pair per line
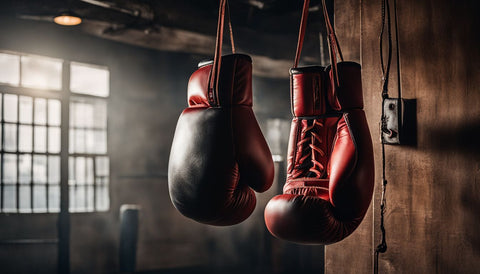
67, 19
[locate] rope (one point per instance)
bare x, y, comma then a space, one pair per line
386, 23
386, 70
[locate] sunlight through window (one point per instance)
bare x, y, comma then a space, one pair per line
30, 177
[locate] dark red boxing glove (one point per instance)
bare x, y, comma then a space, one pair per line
218, 153
330, 174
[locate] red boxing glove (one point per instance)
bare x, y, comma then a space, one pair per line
218, 153
330, 174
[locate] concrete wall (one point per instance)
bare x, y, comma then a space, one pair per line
148, 92
433, 193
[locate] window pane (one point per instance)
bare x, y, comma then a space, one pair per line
40, 111
10, 198
100, 142
10, 168
40, 169
54, 112
102, 181
40, 139
54, 139
9, 69
80, 198
89, 171
39, 199
71, 193
80, 169
90, 80
71, 141
102, 199
53, 169
90, 196
10, 137
25, 169
100, 115
81, 115
90, 141
10, 103
25, 109
73, 112
88, 112
25, 138
54, 199
71, 170
102, 166
40, 72
25, 199
79, 141
86, 115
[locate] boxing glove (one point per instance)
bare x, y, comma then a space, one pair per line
330, 172
218, 153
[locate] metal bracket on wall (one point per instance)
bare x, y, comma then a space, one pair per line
399, 123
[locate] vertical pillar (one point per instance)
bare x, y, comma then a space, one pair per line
128, 237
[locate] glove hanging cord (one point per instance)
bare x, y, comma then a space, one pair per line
332, 38
301, 32
217, 59
386, 23
232, 43
332, 44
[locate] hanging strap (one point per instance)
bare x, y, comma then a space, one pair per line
333, 45
301, 32
232, 43
217, 59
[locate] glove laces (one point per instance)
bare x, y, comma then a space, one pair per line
313, 154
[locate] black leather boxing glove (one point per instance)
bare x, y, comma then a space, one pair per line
218, 153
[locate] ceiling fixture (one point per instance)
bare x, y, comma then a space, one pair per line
257, 4
113, 6
67, 19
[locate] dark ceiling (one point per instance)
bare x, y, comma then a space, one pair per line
264, 28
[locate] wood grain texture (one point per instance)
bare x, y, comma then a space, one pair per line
432, 218
356, 248
347, 25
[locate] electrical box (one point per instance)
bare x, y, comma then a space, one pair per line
399, 121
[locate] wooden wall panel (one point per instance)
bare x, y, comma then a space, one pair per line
432, 217
356, 248
347, 25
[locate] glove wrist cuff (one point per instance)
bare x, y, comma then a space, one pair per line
315, 93
234, 87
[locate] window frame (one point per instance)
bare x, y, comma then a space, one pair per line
64, 95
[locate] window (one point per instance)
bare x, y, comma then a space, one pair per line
31, 129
